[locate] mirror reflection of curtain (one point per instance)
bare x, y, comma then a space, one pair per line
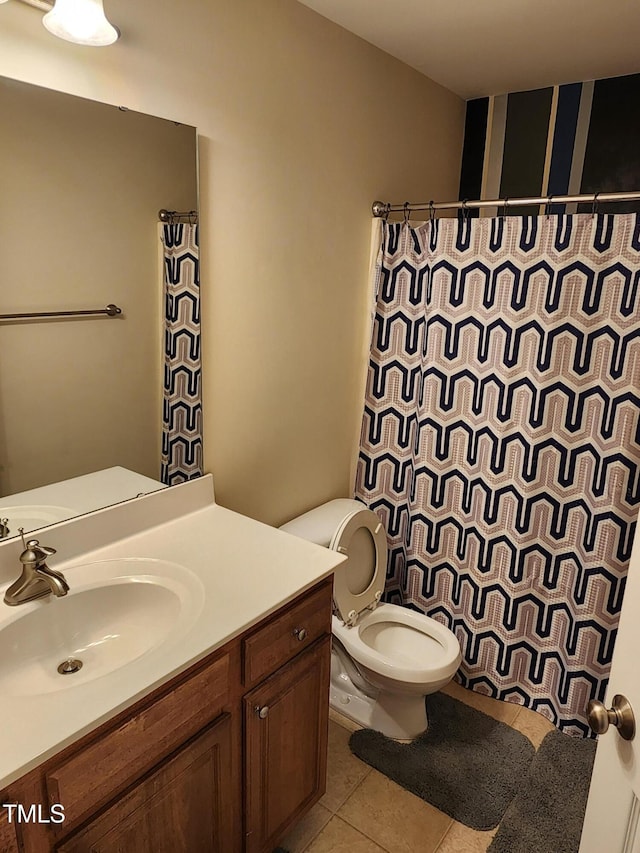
500, 443
182, 384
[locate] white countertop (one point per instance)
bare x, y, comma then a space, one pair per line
247, 571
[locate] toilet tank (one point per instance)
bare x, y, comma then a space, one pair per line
319, 524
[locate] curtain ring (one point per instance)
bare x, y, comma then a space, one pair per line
504, 207
387, 209
465, 209
407, 211
594, 206
547, 207
432, 212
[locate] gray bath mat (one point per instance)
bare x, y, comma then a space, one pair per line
546, 816
467, 764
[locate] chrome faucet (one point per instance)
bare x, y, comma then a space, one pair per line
37, 579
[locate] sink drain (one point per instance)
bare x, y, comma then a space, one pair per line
69, 665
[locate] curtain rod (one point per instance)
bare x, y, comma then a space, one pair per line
381, 208
111, 311
171, 216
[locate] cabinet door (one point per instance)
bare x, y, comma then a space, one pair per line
184, 805
286, 720
8, 839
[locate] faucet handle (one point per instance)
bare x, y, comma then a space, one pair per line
34, 552
43, 549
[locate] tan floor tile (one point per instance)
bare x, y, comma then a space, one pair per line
339, 837
506, 712
462, 839
344, 770
343, 721
392, 817
533, 725
303, 833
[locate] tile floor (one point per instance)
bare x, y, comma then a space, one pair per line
364, 812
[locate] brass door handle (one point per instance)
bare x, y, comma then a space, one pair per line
619, 715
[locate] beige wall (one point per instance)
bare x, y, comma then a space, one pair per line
82, 183
302, 126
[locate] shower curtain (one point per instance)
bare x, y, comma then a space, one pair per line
182, 401
500, 442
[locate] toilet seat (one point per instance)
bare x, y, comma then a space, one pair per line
359, 584
440, 660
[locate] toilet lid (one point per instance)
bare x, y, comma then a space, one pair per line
359, 583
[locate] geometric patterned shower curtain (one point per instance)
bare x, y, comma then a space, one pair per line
500, 443
182, 384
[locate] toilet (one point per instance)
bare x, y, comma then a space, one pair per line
385, 658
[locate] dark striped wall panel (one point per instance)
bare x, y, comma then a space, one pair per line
578, 137
564, 138
473, 152
525, 144
612, 158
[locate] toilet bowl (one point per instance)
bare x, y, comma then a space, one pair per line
385, 658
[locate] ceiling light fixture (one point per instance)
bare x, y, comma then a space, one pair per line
82, 22
79, 21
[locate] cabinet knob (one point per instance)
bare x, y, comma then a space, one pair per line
300, 634
263, 712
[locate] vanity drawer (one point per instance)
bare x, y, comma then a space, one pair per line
99, 770
284, 636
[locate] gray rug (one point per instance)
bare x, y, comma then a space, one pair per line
546, 816
467, 764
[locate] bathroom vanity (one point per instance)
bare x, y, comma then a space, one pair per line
222, 752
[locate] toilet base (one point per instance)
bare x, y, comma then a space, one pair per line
399, 716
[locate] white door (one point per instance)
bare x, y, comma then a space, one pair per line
613, 808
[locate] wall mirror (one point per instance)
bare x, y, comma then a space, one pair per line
81, 397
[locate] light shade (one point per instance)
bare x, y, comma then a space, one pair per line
80, 21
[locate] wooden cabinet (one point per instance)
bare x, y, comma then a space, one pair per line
8, 837
183, 805
243, 731
92, 775
286, 721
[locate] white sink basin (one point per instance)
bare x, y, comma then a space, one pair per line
116, 612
